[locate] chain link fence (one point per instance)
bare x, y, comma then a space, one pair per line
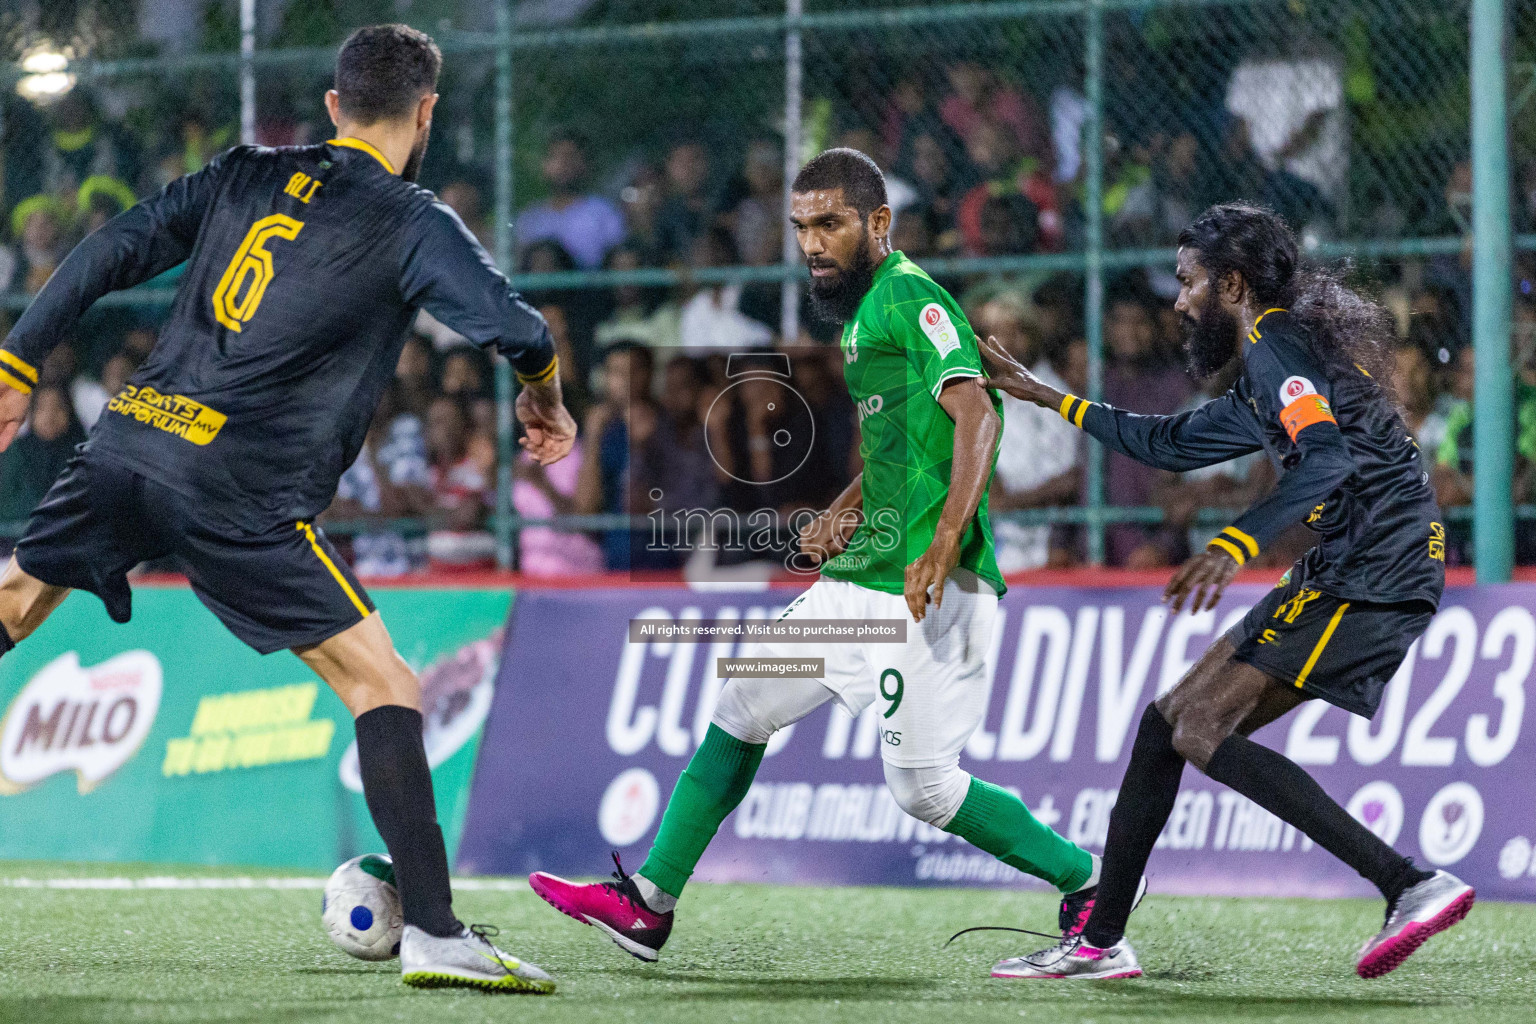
622, 158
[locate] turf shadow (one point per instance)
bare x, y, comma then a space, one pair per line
1264, 1006
726, 987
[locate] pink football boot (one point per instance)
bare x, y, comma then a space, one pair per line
1426, 909
616, 907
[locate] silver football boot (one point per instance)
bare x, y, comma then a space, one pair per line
1426, 909
1073, 960
466, 960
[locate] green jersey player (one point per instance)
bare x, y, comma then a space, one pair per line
909, 539
906, 344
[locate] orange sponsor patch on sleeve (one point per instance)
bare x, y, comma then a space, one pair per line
1305, 411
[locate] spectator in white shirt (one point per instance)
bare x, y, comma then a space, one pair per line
713, 318
1294, 107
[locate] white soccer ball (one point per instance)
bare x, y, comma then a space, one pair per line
361, 909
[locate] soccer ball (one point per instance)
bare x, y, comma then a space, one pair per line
361, 909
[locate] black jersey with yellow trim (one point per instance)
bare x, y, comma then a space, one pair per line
1348, 467
305, 268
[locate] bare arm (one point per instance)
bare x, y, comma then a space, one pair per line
977, 427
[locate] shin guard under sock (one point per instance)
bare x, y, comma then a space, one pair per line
996, 821
1282, 787
397, 784
715, 781
1147, 794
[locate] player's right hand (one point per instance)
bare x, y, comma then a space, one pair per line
549, 430
1206, 576
1008, 375
13, 413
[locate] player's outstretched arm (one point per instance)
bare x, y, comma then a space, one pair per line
1215, 432
448, 272
131, 248
1325, 464
1282, 376
977, 426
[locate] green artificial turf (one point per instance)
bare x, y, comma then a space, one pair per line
741, 953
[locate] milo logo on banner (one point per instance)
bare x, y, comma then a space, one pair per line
89, 720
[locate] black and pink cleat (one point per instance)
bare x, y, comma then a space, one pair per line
615, 907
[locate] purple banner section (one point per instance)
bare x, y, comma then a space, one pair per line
589, 732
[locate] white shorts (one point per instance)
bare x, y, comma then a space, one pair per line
932, 689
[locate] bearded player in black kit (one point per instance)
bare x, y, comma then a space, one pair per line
1313, 395
305, 268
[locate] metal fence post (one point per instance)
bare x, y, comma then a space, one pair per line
1493, 439
1093, 311
506, 449
789, 293
247, 72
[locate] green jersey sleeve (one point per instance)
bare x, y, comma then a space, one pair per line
930, 328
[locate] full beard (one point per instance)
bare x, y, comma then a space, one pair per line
836, 299
1210, 341
412, 169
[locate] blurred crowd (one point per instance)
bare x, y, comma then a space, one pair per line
977, 166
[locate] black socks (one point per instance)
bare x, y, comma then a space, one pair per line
398, 787
1269, 779
1147, 794
1280, 786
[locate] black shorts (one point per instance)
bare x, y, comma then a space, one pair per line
1342, 651
275, 590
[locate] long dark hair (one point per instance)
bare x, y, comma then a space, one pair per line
1345, 329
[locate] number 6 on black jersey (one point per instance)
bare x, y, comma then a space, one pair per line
253, 261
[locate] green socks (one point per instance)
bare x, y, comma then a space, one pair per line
996, 821
721, 772
716, 780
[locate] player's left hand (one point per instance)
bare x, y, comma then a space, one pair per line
550, 432
13, 413
1206, 576
930, 571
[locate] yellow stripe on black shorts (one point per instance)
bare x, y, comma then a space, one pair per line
1317, 652
314, 542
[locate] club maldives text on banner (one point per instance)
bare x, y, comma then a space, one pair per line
169, 740
588, 735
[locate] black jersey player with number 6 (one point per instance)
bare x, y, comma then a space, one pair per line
1313, 395
305, 266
